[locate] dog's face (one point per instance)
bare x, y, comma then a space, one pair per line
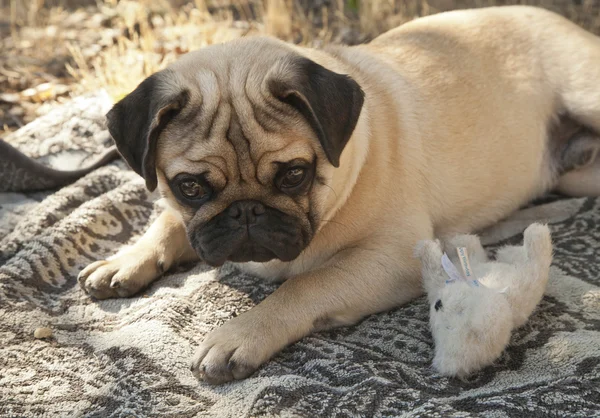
242, 139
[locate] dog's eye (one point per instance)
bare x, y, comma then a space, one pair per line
192, 189
293, 177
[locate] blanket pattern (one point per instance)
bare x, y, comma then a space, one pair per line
130, 357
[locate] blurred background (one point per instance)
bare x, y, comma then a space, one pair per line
52, 50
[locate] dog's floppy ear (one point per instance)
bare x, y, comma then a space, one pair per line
330, 102
136, 121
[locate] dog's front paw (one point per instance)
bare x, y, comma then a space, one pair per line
235, 350
122, 276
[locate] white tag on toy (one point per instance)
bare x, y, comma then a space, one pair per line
463, 257
450, 269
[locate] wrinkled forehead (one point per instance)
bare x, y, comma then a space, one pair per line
234, 124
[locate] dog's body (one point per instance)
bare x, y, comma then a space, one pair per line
459, 125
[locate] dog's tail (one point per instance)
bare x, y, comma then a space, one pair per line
20, 173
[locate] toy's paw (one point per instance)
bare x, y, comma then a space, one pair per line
511, 254
538, 242
537, 247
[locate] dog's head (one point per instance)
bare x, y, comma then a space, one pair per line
241, 139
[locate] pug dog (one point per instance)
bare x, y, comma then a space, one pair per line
323, 168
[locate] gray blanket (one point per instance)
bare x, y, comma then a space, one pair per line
129, 357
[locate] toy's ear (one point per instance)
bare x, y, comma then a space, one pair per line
471, 242
434, 277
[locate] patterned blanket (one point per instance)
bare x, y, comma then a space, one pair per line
130, 357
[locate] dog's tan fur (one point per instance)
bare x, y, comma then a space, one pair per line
453, 136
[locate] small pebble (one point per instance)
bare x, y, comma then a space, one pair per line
42, 333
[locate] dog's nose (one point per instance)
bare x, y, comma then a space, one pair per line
246, 211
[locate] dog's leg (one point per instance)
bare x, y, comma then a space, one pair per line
581, 182
574, 74
581, 150
579, 165
357, 282
578, 78
134, 268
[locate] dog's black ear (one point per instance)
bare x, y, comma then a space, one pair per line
330, 102
136, 121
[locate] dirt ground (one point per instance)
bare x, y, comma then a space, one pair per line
52, 50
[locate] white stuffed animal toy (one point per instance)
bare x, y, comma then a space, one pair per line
473, 314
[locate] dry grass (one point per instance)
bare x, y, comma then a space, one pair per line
160, 35
74, 46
